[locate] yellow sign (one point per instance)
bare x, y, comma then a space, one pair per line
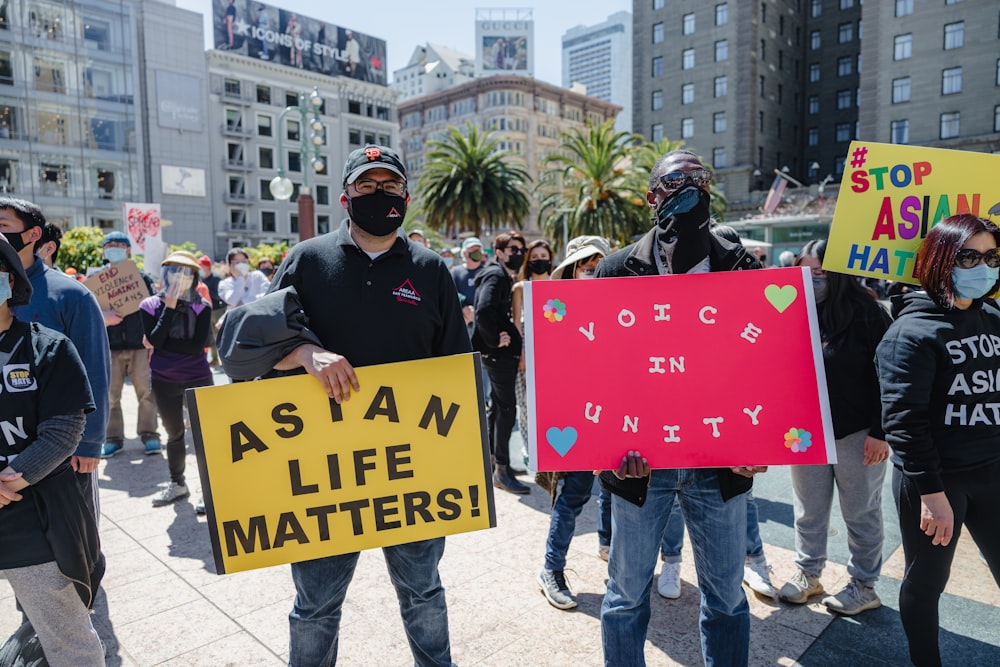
892, 195
289, 475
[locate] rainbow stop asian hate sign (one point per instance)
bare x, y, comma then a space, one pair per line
701, 370
289, 475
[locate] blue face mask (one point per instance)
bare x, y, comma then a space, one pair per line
115, 255
5, 289
976, 282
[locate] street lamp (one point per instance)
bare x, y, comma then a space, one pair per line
281, 187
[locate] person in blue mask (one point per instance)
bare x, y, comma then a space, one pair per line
937, 369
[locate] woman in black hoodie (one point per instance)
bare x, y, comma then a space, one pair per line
940, 381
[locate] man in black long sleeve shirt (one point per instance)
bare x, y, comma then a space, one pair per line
499, 341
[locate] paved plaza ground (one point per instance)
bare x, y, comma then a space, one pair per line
163, 604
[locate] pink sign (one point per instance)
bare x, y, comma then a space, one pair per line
704, 370
142, 221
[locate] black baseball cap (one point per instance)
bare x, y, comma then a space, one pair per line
372, 157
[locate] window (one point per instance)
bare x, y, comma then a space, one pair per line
267, 221
294, 161
845, 33
760, 121
657, 66
687, 59
721, 50
722, 14
996, 119
813, 105
353, 106
323, 195
813, 72
721, 84
950, 125
814, 40
231, 87
687, 24
763, 12
763, 49
812, 136
719, 122
263, 125
293, 221
781, 91
843, 99
237, 219
265, 190
6, 69
657, 33
899, 132
263, 94
904, 7
687, 93
49, 76
322, 224
292, 130
237, 187
842, 132
291, 99
657, 100
760, 86
951, 81
658, 4
657, 132
902, 47
817, 8
105, 184
687, 128
265, 156
954, 35
901, 90
845, 66
354, 137
719, 158
846, 4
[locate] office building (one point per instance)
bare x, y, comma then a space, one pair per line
432, 68
600, 58
527, 114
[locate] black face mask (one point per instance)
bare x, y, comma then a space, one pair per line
539, 266
16, 240
377, 214
514, 262
685, 212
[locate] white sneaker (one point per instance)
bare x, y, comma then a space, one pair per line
170, 493
757, 575
669, 583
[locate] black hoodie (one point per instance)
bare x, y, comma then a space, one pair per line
940, 382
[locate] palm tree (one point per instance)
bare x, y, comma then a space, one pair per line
646, 156
588, 186
469, 184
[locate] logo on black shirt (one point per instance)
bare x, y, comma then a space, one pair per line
18, 377
406, 294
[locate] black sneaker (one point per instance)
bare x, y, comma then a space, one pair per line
504, 479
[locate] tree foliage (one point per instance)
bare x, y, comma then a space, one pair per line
590, 186
469, 184
80, 248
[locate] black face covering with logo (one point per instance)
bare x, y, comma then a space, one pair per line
683, 234
377, 214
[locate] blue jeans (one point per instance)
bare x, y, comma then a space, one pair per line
321, 586
573, 497
604, 517
673, 536
718, 539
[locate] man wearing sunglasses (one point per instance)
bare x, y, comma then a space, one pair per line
496, 337
713, 500
372, 296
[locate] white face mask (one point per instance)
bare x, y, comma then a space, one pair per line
242, 268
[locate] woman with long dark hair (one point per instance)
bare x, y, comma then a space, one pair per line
851, 324
537, 266
937, 366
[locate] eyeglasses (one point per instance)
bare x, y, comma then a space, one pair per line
675, 180
367, 186
515, 250
968, 258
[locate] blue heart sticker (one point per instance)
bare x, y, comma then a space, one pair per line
562, 440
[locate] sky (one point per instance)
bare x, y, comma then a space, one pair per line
406, 24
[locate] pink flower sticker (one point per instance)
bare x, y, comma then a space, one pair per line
798, 440
554, 310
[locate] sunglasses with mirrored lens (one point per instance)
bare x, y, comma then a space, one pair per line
969, 258
675, 180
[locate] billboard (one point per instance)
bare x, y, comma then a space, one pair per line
505, 42
266, 32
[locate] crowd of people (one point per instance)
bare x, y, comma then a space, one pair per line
916, 389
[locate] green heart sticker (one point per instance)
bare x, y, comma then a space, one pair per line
780, 297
